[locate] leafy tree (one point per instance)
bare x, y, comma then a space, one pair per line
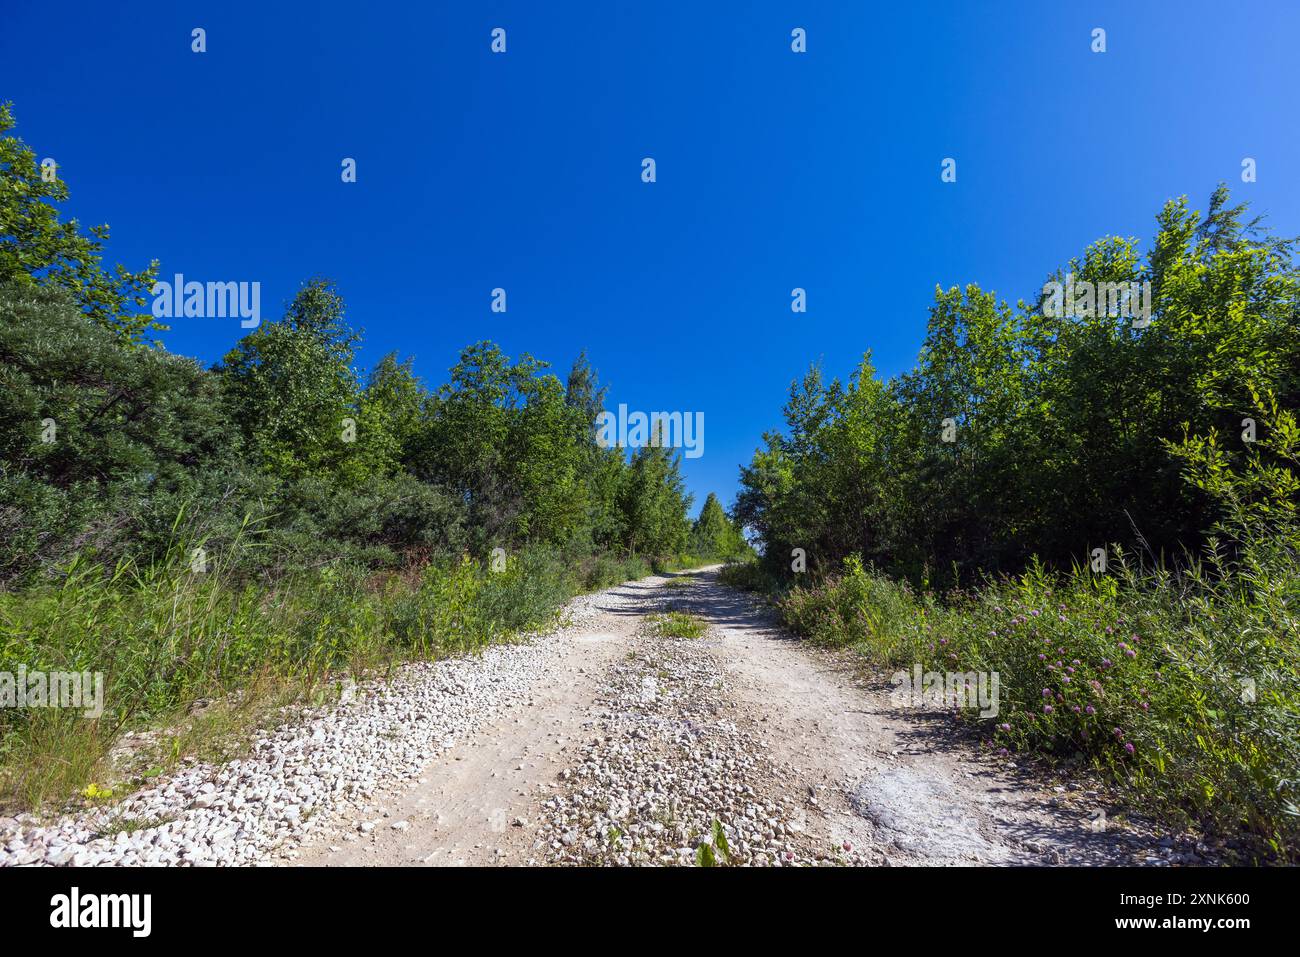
604, 469
1059, 421
654, 501
714, 535
92, 433
290, 387
38, 248
502, 437
392, 408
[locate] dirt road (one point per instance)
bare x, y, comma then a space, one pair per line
629, 746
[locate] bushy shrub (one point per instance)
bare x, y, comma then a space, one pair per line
858, 607
751, 575
526, 594
602, 571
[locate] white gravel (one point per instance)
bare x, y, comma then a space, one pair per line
666, 760
327, 765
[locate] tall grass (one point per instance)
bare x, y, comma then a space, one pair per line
1184, 688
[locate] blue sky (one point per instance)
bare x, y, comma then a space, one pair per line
522, 170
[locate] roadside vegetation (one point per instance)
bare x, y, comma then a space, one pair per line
1101, 512
257, 529
677, 624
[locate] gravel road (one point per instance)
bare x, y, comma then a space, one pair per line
603, 743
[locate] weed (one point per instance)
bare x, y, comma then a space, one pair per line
677, 624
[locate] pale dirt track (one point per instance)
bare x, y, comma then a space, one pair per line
629, 741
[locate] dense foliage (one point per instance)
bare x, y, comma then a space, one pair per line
1057, 424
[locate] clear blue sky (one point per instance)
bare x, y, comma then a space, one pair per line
522, 170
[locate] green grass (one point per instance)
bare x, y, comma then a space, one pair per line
683, 561
677, 624
129, 825
605, 571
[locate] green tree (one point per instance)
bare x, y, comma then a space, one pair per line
1059, 420
604, 470
37, 247
392, 410
654, 501
96, 441
290, 387
502, 438
714, 535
